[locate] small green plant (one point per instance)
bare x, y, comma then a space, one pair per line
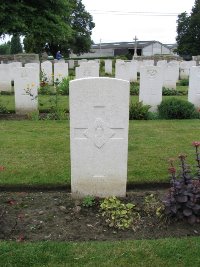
63, 86
183, 199
34, 115
172, 92
3, 108
173, 108
184, 82
118, 214
88, 201
153, 206
134, 88
138, 111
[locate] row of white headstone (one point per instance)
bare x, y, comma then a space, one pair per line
150, 93
9, 72
123, 70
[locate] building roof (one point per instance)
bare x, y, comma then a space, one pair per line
129, 45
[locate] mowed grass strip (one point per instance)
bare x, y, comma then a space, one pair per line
168, 252
45, 102
38, 152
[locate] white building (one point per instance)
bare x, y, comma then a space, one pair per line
144, 48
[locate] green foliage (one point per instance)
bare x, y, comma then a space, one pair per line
171, 92
138, 111
45, 89
5, 49
173, 108
69, 29
15, 45
134, 88
153, 206
118, 214
63, 87
184, 82
188, 31
183, 199
34, 116
3, 109
60, 24
88, 201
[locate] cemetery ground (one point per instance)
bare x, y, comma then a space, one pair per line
36, 156
41, 225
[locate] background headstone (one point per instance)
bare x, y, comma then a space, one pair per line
26, 91
36, 66
194, 86
46, 70
87, 69
5, 78
108, 66
151, 82
60, 71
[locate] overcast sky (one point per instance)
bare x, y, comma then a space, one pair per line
121, 20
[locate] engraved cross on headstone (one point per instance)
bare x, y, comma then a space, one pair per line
100, 132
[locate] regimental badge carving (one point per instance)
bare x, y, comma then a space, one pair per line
152, 73
99, 133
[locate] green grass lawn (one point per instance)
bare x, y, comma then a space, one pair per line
168, 252
37, 152
46, 101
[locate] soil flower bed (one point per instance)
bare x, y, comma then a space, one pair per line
34, 216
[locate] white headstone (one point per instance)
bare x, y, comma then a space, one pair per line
13, 66
60, 71
80, 61
37, 67
145, 63
71, 63
194, 86
99, 118
185, 68
87, 69
151, 82
26, 91
108, 66
162, 63
46, 69
170, 75
5, 78
126, 70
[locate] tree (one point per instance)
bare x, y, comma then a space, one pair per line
5, 48
188, 31
15, 44
48, 24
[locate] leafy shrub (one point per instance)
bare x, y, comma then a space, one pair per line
118, 214
171, 92
183, 199
184, 82
63, 87
134, 88
138, 111
173, 108
45, 89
